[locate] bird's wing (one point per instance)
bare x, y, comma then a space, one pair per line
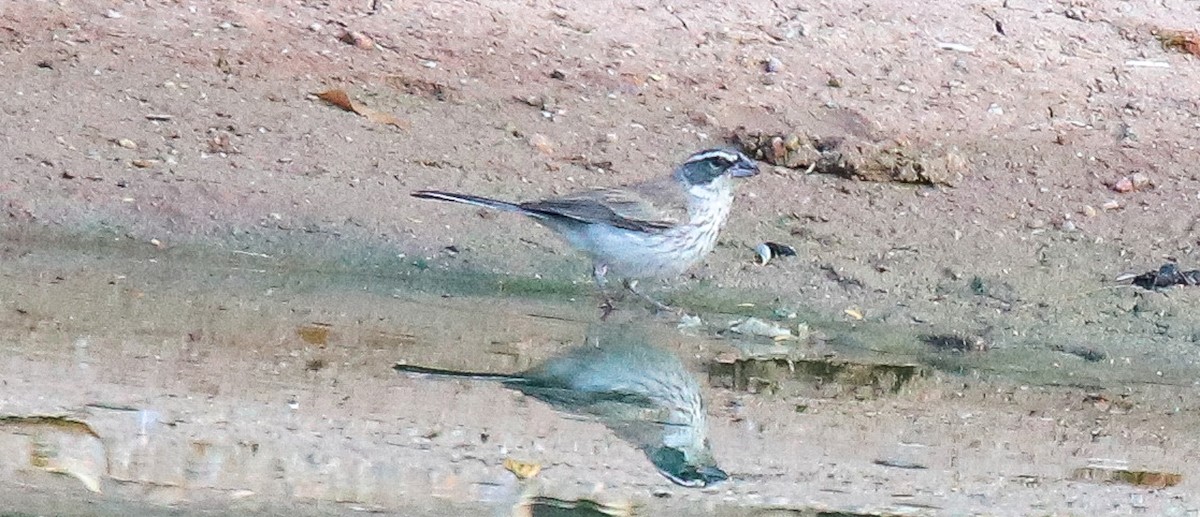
632, 209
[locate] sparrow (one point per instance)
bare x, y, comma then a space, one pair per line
658, 229
641, 392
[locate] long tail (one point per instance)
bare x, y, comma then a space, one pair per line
479, 376
468, 199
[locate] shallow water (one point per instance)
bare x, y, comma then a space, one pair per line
213, 381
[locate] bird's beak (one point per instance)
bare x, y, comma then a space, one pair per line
672, 463
712, 475
744, 168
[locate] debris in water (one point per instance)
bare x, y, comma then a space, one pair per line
1116, 471
747, 374
757, 327
315, 333
1168, 275
769, 250
62, 446
540, 505
523, 470
1090, 355
900, 464
954, 343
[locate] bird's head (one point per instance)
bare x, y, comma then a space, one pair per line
709, 165
688, 466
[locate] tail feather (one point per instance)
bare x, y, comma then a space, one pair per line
479, 376
468, 199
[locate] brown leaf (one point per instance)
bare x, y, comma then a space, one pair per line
339, 98
1184, 41
522, 469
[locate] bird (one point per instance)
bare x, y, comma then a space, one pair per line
641, 392
657, 229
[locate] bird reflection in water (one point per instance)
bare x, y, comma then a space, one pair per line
641, 392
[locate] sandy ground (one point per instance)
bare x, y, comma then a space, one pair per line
204, 205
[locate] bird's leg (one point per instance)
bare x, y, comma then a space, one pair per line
607, 307
631, 285
600, 269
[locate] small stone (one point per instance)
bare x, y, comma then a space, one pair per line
1111, 204
558, 74
1140, 180
1123, 185
1088, 211
772, 64
1132, 182
114, 14
610, 137
541, 143
144, 164
995, 109
316, 27
357, 39
1036, 224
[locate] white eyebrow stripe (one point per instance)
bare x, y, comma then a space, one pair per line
704, 155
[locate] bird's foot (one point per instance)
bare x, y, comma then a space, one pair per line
632, 287
607, 308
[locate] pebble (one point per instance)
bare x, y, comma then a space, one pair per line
1088, 211
772, 64
357, 39
1111, 204
127, 143
1132, 182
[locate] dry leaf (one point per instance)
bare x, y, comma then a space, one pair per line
314, 334
1184, 41
339, 98
522, 469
